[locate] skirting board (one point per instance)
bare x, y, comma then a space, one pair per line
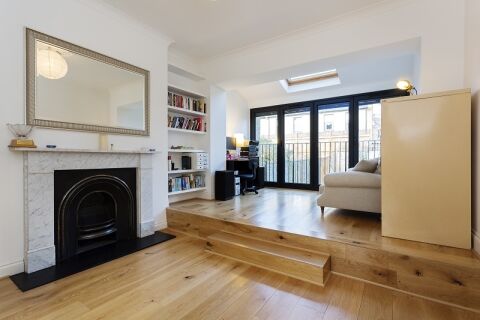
11, 269
161, 226
476, 242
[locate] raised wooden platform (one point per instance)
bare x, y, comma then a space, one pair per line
290, 218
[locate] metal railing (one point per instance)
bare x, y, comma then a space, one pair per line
333, 157
369, 149
268, 159
297, 163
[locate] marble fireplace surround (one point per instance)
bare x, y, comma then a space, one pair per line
39, 167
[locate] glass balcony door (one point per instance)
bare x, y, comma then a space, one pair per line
266, 132
297, 142
369, 129
334, 134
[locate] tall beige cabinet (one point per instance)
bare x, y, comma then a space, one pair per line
426, 168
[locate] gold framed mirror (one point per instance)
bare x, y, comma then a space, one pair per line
73, 88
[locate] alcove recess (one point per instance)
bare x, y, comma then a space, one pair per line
188, 128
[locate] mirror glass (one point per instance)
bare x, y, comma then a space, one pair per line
76, 90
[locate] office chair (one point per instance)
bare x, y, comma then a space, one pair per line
250, 176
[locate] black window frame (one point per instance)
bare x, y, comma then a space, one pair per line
314, 105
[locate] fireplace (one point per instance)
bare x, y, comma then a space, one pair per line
93, 208
84, 208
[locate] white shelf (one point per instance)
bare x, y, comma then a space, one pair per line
185, 92
186, 111
186, 171
186, 191
185, 151
186, 131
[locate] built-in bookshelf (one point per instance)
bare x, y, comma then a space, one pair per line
184, 150
187, 115
187, 191
185, 182
186, 171
186, 131
187, 111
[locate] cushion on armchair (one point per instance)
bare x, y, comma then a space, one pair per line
366, 166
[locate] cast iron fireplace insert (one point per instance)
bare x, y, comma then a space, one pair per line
93, 208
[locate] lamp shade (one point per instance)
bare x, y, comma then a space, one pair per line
240, 139
404, 85
51, 64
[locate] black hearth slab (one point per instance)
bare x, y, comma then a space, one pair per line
87, 260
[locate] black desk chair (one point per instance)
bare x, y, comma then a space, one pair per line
250, 176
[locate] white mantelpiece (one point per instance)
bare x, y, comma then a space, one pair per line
39, 168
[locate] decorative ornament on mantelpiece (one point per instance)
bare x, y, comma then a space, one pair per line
21, 132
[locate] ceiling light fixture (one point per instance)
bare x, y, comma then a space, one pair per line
51, 64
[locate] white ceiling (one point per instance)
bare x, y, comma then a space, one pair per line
205, 28
362, 77
363, 71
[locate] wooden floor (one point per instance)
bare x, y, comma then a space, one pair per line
179, 280
296, 211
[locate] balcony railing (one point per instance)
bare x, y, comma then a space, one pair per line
369, 149
268, 160
297, 163
333, 157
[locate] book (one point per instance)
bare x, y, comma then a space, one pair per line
186, 123
185, 102
185, 182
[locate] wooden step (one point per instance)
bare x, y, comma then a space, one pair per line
297, 263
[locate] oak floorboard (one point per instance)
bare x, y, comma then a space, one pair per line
346, 299
406, 307
253, 299
216, 305
377, 303
283, 302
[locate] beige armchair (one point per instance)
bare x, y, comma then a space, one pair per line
357, 189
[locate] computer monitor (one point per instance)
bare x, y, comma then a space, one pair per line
231, 143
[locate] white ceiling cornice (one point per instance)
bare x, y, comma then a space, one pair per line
105, 8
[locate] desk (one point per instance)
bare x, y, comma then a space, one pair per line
241, 165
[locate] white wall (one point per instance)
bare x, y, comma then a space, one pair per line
91, 26
472, 78
218, 120
237, 115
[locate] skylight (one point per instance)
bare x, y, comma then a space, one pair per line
311, 81
312, 77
